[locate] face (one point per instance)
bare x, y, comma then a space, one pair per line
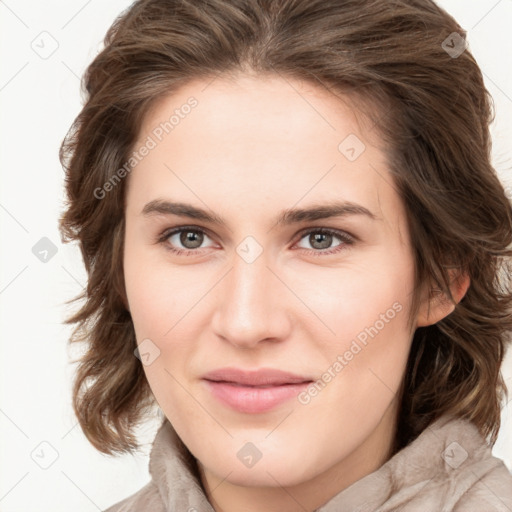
257, 282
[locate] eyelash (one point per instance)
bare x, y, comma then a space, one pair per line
347, 240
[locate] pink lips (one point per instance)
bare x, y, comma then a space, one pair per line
254, 392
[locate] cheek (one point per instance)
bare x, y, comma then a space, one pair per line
155, 292
366, 311
159, 312
348, 300
161, 300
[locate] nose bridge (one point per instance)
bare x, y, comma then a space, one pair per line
250, 305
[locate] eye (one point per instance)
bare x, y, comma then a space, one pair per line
191, 238
322, 239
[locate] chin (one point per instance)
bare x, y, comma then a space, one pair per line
271, 471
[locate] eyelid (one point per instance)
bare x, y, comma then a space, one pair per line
335, 231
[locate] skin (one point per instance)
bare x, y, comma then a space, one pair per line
252, 147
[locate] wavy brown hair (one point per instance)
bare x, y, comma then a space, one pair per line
432, 112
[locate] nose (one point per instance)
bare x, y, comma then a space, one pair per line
252, 304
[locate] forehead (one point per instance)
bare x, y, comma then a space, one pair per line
251, 140
263, 104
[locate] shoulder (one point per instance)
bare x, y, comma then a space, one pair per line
491, 492
476, 480
146, 499
449, 467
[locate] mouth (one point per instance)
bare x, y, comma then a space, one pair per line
254, 399
265, 386
254, 392
261, 377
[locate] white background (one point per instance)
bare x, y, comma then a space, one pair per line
39, 98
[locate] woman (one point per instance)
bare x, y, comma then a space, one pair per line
298, 249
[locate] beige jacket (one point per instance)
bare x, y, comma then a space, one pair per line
449, 467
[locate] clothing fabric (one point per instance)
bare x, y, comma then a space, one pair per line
447, 468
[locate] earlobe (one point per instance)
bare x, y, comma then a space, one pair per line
460, 285
438, 305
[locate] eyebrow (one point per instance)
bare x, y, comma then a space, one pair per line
286, 217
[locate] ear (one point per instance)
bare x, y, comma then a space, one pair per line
436, 305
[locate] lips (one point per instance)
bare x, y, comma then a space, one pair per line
254, 391
259, 378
